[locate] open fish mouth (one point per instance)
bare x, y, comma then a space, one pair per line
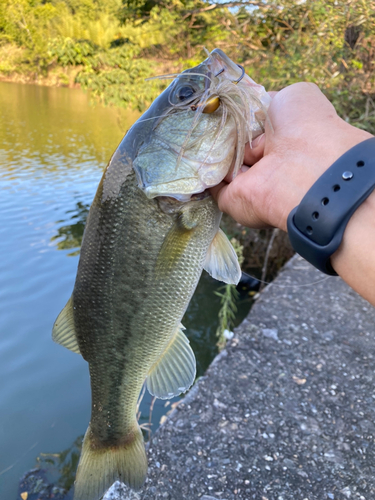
210, 113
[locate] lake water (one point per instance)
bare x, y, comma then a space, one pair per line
53, 148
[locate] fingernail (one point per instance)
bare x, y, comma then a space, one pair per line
244, 168
256, 141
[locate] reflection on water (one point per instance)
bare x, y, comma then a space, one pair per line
53, 148
69, 236
55, 126
61, 467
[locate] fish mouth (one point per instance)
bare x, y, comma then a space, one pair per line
162, 193
211, 112
170, 205
200, 196
194, 197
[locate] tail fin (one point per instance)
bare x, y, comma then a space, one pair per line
99, 468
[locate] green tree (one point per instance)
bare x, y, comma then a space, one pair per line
113, 45
26, 23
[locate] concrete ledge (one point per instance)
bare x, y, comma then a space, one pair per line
285, 412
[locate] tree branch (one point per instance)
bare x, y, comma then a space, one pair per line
221, 5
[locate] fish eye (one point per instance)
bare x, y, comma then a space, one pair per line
184, 93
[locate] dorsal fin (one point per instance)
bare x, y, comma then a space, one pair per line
63, 331
175, 370
222, 261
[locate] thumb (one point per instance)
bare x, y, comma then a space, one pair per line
218, 193
256, 151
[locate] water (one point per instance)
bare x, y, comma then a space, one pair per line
53, 148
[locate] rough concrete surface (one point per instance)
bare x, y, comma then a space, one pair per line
285, 412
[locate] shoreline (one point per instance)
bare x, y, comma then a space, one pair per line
55, 78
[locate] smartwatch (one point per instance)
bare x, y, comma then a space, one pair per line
316, 226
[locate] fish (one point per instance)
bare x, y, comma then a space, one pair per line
151, 230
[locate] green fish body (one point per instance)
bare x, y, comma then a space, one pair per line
149, 234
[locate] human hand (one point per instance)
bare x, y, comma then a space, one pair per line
306, 137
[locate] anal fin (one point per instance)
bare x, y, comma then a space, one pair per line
175, 371
63, 331
222, 261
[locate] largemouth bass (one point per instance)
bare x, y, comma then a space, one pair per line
151, 230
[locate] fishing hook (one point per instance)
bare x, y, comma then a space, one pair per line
239, 79
242, 75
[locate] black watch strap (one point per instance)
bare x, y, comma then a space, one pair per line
316, 227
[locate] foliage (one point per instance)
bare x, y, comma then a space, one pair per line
329, 42
227, 313
69, 52
110, 47
118, 78
26, 25
61, 466
228, 299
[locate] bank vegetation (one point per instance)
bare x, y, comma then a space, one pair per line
111, 46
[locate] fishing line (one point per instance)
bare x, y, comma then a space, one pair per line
290, 286
18, 459
147, 119
177, 75
159, 77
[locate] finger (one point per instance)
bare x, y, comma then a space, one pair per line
221, 193
218, 191
238, 207
229, 201
256, 151
229, 177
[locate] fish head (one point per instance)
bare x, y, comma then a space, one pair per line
197, 129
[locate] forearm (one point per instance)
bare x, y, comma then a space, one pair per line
354, 261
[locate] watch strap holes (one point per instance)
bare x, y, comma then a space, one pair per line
336, 188
309, 230
325, 201
360, 163
315, 215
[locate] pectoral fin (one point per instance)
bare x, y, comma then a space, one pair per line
221, 260
174, 372
63, 331
175, 243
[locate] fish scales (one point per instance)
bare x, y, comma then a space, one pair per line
124, 333
137, 313
151, 230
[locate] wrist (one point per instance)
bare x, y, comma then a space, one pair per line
354, 261
316, 157
359, 233
317, 225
